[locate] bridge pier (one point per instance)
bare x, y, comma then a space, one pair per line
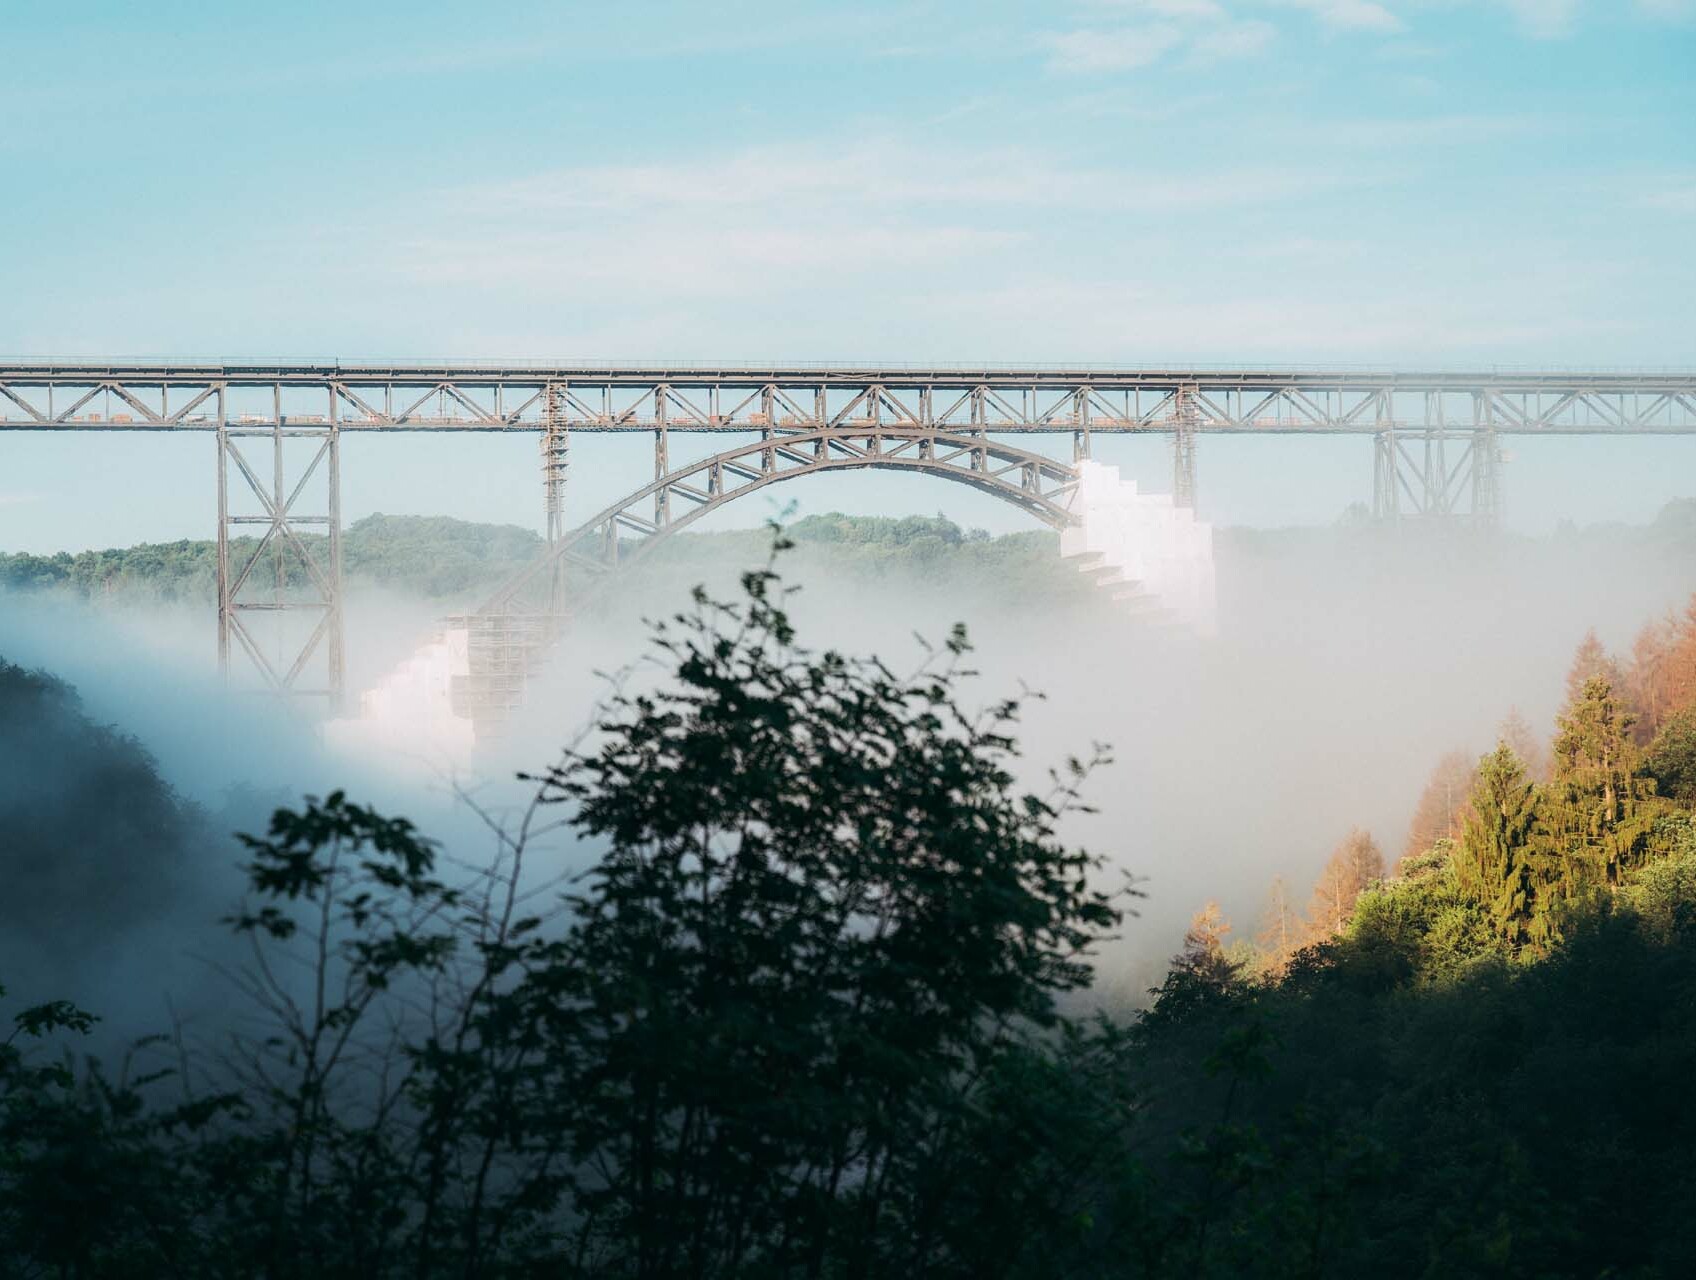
662, 464
556, 462
1185, 420
294, 565
1437, 474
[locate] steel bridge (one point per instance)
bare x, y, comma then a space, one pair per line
1436, 447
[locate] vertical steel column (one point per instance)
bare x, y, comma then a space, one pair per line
662, 465
1184, 421
279, 509
1434, 490
1486, 463
337, 655
1386, 495
768, 415
223, 538
1386, 504
556, 461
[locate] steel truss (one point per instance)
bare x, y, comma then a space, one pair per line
640, 398
677, 498
301, 581
510, 634
1437, 474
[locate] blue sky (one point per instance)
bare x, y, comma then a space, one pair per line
1397, 182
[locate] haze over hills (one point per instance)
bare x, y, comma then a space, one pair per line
440, 557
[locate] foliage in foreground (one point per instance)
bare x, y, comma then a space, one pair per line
813, 1013
759, 1039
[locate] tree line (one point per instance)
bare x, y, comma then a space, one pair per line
1531, 833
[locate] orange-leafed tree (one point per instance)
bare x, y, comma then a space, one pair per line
1441, 811
1680, 670
1355, 865
1648, 678
1281, 931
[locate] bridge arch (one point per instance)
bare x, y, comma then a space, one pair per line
629, 529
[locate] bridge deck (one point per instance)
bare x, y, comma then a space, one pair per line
504, 396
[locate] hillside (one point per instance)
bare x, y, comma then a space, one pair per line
98, 847
440, 558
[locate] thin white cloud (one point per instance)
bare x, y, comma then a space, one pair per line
1545, 19
1672, 200
1415, 131
678, 259
1349, 15
1233, 40
878, 178
786, 227
1126, 49
1140, 322
1170, 8
18, 499
1668, 10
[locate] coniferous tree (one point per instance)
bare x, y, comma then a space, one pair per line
1597, 815
1493, 863
1353, 867
1280, 927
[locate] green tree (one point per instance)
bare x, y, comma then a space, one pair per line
825, 913
1492, 862
1598, 817
1671, 759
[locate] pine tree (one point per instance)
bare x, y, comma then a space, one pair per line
1442, 805
1353, 867
1594, 755
1600, 812
1493, 863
